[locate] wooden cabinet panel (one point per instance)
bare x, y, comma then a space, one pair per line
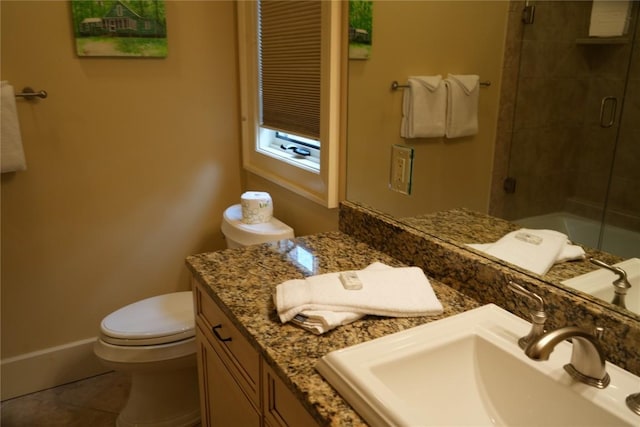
237, 388
281, 407
223, 401
226, 338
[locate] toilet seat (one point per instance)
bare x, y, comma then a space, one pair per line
157, 320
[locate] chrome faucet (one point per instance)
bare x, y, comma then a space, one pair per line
538, 315
587, 358
620, 286
633, 402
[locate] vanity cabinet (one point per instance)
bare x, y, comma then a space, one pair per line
237, 387
281, 408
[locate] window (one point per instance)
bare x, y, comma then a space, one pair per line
291, 96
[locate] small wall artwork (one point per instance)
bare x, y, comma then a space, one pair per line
131, 28
360, 28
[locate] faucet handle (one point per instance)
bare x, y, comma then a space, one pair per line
538, 315
620, 286
598, 332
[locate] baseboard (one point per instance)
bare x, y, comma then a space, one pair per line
51, 367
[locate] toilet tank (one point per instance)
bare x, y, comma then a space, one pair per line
239, 234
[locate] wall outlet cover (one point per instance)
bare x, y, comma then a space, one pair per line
401, 169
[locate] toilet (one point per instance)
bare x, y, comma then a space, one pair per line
154, 341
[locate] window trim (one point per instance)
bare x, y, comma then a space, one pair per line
322, 187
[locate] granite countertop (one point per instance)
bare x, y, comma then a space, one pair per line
242, 281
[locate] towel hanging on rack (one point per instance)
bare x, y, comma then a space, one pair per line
424, 107
10, 138
463, 93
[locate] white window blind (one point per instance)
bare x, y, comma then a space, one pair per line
290, 66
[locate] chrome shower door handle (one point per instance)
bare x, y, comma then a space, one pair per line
612, 103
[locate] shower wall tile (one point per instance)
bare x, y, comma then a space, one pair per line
559, 20
550, 102
556, 122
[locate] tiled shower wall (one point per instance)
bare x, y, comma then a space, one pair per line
549, 133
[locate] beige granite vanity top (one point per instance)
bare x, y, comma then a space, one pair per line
242, 281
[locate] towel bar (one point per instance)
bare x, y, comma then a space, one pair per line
395, 85
29, 94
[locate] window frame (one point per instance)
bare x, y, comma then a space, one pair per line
287, 169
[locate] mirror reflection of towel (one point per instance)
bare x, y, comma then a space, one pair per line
609, 18
532, 249
462, 105
12, 154
424, 106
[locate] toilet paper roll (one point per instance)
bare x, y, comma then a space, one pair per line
257, 207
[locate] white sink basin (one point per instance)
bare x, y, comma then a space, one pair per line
599, 283
468, 370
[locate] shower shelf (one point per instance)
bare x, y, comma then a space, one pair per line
603, 40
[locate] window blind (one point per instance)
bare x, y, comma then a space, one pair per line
289, 61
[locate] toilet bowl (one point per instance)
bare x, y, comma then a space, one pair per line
154, 341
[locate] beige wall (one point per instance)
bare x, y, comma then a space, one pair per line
424, 38
131, 163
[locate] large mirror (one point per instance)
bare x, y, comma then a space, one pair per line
558, 144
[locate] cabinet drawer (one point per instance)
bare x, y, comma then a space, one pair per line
219, 330
281, 407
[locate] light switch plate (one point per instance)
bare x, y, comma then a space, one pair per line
401, 169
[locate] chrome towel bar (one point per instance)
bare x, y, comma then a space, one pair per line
395, 85
29, 94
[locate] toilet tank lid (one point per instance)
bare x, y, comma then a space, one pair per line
159, 316
250, 234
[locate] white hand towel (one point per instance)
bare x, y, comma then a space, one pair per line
463, 93
424, 106
398, 292
609, 18
12, 153
320, 322
569, 252
533, 250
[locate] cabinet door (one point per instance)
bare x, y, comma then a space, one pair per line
281, 407
223, 401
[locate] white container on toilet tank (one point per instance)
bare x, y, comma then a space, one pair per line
257, 207
238, 233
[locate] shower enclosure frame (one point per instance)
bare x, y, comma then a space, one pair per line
559, 145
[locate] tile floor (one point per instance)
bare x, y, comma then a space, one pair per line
93, 402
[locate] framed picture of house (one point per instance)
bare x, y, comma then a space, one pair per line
360, 28
133, 28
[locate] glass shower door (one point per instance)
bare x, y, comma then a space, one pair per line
571, 91
621, 231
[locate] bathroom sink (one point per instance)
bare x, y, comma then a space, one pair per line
467, 369
599, 283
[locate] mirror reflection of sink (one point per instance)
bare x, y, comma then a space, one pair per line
599, 283
467, 369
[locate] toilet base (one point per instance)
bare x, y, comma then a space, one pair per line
162, 399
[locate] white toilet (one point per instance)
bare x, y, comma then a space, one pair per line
154, 340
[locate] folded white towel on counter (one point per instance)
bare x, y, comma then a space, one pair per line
321, 321
424, 107
11, 151
396, 292
535, 250
462, 105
